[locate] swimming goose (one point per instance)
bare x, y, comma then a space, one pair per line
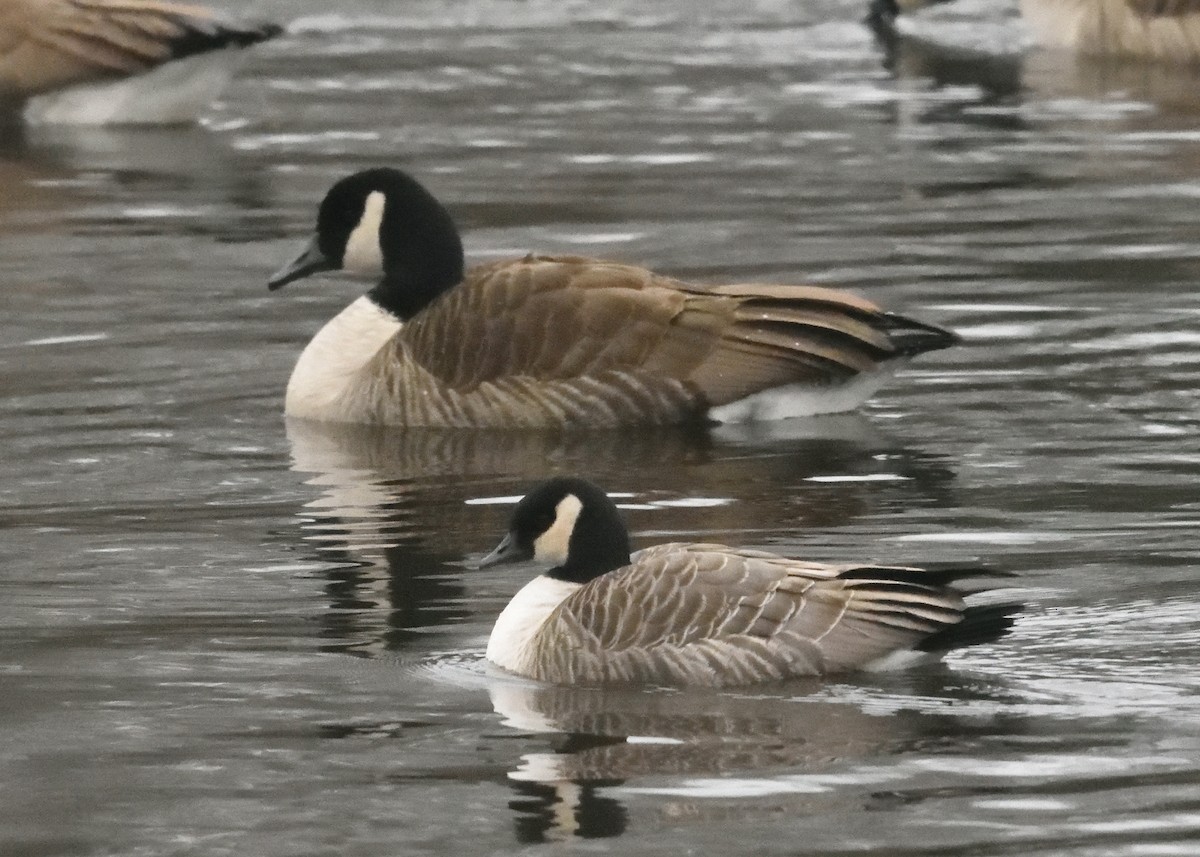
706, 614
1167, 30
554, 341
91, 60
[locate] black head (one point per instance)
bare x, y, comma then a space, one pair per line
383, 223
568, 525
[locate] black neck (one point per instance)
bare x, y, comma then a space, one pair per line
599, 544
405, 293
423, 254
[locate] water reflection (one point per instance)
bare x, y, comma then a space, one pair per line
596, 748
999, 72
99, 176
393, 523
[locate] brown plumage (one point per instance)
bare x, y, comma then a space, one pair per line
710, 614
46, 45
564, 340
554, 341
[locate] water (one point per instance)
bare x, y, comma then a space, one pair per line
228, 634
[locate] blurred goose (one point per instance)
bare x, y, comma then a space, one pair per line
115, 61
553, 341
1151, 29
705, 614
1167, 30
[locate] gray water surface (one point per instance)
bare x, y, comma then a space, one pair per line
227, 633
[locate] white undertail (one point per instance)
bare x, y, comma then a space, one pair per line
806, 400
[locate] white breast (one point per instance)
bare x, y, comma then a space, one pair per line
520, 621
329, 370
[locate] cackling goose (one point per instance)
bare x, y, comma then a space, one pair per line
706, 614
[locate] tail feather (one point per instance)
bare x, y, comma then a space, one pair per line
911, 337
980, 624
200, 36
928, 576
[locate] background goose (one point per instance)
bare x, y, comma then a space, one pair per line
1166, 30
563, 340
115, 61
700, 614
1154, 29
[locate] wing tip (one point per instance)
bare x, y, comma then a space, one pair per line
911, 337
201, 37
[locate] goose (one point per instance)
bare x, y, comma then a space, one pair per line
707, 614
115, 61
1166, 30
564, 341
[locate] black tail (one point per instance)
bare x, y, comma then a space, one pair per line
911, 337
200, 35
930, 575
981, 624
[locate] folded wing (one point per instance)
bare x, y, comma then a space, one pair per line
50, 44
560, 318
707, 614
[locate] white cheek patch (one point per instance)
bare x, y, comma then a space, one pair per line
363, 254
551, 547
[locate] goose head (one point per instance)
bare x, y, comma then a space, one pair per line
383, 224
568, 526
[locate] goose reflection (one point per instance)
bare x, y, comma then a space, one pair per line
1000, 71
593, 744
62, 169
392, 519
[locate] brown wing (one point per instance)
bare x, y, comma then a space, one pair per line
554, 319
557, 318
707, 614
50, 44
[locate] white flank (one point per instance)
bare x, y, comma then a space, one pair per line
172, 94
524, 616
323, 383
552, 547
364, 253
805, 400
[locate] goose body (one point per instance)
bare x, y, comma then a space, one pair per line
115, 61
706, 614
565, 341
